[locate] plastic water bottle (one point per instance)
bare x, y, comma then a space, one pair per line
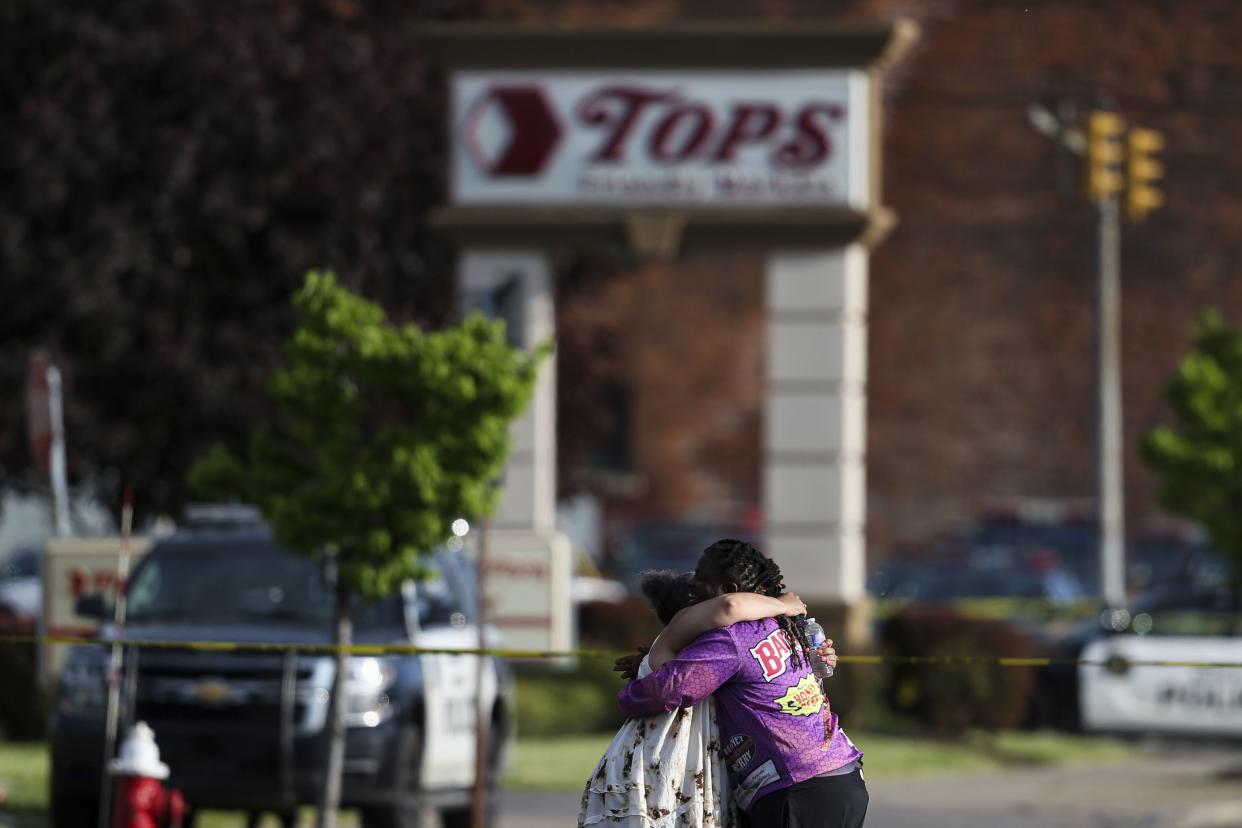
815, 634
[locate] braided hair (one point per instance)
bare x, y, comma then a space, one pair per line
753, 571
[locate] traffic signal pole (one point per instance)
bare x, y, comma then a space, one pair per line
1110, 498
1106, 180
1116, 162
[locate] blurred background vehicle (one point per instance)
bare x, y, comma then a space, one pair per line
21, 587
244, 730
1177, 622
1186, 625
672, 545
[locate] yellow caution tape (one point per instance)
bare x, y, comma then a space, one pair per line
499, 652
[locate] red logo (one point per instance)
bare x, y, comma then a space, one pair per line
680, 129
773, 653
511, 131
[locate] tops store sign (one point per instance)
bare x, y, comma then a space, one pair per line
661, 138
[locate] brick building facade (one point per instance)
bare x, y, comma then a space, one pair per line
981, 305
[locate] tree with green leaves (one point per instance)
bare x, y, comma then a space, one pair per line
1198, 460
379, 436
168, 171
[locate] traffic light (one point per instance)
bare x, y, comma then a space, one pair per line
1142, 171
1104, 155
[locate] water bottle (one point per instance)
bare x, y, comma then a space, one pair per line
815, 634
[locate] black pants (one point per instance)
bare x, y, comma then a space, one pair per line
821, 802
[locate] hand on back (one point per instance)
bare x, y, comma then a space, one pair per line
627, 665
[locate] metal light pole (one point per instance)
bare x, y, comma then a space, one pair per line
115, 660
482, 717
60, 485
1104, 152
1110, 494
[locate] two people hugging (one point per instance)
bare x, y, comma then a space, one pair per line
727, 723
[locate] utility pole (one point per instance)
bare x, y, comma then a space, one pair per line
60, 480
1116, 163
1105, 181
1110, 483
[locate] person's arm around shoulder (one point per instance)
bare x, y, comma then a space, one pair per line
696, 673
715, 613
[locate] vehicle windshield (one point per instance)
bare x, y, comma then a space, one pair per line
24, 563
255, 584
1186, 613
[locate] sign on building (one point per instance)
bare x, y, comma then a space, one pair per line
72, 568
527, 590
661, 138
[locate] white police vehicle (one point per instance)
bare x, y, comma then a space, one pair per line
1122, 695
246, 730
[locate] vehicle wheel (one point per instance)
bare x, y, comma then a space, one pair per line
405, 811
74, 811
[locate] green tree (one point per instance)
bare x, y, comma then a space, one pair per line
168, 171
379, 436
1198, 460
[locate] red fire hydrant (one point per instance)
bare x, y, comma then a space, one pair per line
139, 800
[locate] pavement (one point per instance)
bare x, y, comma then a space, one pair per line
1166, 788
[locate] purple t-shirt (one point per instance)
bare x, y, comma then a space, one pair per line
775, 725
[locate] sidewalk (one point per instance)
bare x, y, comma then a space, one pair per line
1169, 788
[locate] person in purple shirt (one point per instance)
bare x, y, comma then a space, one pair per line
790, 763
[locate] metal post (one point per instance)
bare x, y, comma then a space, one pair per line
114, 665
482, 719
60, 485
1110, 495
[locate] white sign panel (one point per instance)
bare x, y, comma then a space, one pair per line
660, 138
72, 568
527, 590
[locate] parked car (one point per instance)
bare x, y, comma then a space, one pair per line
246, 730
671, 545
962, 579
1175, 622
1189, 626
21, 590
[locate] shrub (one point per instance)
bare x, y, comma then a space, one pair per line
853, 693
951, 697
23, 706
576, 701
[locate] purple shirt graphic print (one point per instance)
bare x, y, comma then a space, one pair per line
776, 728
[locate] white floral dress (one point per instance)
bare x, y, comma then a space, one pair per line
662, 771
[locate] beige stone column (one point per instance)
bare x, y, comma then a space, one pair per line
814, 472
517, 286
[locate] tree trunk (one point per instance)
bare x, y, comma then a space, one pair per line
1235, 597
330, 803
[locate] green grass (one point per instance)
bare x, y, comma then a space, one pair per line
565, 763
23, 775
555, 763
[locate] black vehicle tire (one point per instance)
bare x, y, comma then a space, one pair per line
74, 811
405, 811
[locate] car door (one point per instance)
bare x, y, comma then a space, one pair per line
1186, 699
450, 682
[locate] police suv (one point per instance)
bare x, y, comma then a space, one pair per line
1190, 631
246, 730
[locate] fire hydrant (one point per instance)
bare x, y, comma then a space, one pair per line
139, 800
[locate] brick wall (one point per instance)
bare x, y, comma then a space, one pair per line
981, 334
981, 361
